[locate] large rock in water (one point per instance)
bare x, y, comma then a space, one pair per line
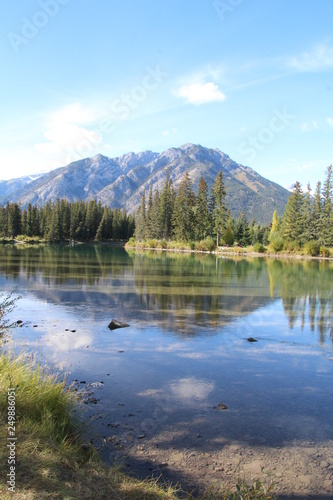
117, 324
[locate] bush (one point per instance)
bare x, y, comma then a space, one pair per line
163, 244
151, 243
207, 245
277, 243
312, 248
324, 252
131, 241
259, 247
211, 244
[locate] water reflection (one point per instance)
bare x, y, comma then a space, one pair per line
188, 295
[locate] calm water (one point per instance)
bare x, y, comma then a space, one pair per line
186, 349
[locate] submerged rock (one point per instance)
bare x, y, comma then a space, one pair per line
251, 339
114, 324
220, 406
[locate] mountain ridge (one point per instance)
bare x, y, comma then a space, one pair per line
119, 182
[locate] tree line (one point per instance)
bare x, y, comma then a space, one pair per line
308, 218
62, 220
184, 216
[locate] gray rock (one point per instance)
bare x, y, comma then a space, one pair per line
114, 324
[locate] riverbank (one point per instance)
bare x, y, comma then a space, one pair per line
226, 251
41, 449
46, 456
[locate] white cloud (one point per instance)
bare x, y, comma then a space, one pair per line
67, 138
330, 121
200, 93
320, 58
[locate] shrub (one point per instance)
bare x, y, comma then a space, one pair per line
211, 244
163, 244
312, 248
131, 241
151, 243
324, 252
277, 243
259, 247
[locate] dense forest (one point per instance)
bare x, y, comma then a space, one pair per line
62, 220
183, 216
203, 220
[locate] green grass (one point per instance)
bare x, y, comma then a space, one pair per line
50, 459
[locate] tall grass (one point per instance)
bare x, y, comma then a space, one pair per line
51, 461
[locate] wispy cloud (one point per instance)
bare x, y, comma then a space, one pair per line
69, 127
318, 59
200, 93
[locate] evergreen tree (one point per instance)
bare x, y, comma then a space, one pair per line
155, 220
306, 218
14, 219
149, 215
241, 231
293, 225
316, 218
183, 214
140, 221
219, 212
327, 207
167, 201
201, 211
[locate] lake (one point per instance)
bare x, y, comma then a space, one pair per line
152, 390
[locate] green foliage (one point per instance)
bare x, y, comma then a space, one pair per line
259, 247
219, 212
63, 220
312, 248
183, 213
228, 236
277, 243
207, 245
324, 252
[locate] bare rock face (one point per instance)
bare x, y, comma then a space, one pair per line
114, 324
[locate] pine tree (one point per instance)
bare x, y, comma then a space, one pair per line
167, 201
293, 225
201, 211
327, 207
183, 214
140, 221
316, 217
241, 231
219, 212
149, 214
306, 217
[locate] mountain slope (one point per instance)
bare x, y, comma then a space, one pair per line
119, 182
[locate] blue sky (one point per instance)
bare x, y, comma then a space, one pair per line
252, 78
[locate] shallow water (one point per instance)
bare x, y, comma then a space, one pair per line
186, 349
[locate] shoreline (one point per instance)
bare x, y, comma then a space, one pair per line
221, 251
225, 251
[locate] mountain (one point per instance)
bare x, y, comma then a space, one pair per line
8, 187
119, 182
